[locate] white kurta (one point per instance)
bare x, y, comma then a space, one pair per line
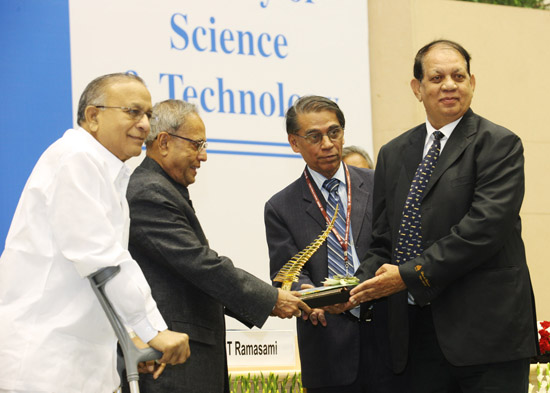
71, 220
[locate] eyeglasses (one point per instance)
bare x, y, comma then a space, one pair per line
134, 113
334, 134
200, 144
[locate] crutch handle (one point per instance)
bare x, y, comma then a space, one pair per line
132, 355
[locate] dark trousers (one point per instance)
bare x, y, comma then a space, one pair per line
375, 374
429, 372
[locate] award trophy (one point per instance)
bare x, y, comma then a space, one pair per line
314, 297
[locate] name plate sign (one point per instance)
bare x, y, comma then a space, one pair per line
257, 348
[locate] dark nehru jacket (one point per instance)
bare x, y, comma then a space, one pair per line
191, 283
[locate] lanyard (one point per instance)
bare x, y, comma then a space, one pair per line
344, 243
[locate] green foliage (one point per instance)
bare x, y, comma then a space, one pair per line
263, 384
540, 4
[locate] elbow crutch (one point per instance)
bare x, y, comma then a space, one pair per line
132, 355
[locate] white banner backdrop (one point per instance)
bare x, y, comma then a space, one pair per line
243, 62
257, 349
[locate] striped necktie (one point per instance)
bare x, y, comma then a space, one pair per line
336, 260
409, 243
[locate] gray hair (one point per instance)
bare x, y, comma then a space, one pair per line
346, 151
307, 104
94, 93
169, 116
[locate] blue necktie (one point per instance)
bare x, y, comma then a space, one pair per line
336, 261
409, 243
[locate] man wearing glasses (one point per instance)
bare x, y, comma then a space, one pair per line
345, 352
72, 220
193, 285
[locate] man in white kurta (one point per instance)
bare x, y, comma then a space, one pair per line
71, 220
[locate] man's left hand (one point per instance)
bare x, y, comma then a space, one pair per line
387, 281
339, 308
151, 366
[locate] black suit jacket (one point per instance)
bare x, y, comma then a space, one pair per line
191, 283
329, 356
473, 270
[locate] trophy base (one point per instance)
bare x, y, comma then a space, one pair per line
325, 296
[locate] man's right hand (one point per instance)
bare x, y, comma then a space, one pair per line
173, 345
317, 314
289, 305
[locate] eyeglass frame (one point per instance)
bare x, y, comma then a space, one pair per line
315, 134
199, 145
134, 113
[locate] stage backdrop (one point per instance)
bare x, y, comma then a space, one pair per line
243, 62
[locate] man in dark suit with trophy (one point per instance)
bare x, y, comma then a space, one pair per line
344, 352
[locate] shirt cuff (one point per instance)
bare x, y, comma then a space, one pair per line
149, 327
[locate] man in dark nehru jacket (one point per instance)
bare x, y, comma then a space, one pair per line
192, 284
447, 246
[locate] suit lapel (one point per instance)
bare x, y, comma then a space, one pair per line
311, 207
359, 199
412, 152
459, 140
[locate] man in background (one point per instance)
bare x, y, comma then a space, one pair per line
357, 156
340, 353
447, 246
72, 220
191, 282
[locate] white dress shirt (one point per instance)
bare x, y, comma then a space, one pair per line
72, 219
446, 130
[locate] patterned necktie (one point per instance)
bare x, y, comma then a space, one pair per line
409, 243
336, 260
